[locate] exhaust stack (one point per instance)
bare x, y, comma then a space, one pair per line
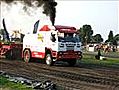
5, 32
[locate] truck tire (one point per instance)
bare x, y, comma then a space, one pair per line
49, 60
72, 62
13, 54
27, 55
9, 55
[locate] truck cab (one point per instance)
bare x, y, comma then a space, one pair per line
52, 43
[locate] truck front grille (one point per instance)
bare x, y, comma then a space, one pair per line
69, 48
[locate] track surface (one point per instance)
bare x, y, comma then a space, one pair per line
80, 77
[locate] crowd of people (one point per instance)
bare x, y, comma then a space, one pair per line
106, 48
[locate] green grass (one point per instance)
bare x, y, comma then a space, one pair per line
109, 62
8, 85
110, 53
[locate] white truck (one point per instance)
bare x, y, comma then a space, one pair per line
52, 43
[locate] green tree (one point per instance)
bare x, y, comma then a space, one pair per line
85, 32
116, 39
110, 36
97, 38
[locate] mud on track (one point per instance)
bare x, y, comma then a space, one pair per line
79, 77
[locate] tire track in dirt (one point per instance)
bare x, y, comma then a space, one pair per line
66, 77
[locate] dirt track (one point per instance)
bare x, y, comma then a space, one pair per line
80, 77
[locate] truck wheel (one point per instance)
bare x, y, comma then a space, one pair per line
27, 55
72, 62
49, 60
12, 54
9, 55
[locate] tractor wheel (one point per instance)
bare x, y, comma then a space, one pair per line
72, 62
27, 55
49, 60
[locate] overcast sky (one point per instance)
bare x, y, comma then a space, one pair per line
101, 15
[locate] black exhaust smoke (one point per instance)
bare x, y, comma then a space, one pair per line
49, 6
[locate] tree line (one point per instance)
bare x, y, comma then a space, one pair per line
86, 36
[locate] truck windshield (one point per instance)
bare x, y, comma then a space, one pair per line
68, 38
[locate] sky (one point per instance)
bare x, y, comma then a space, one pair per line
101, 15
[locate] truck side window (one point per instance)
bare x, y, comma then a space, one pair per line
35, 27
53, 39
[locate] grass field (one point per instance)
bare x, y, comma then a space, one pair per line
8, 85
109, 62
